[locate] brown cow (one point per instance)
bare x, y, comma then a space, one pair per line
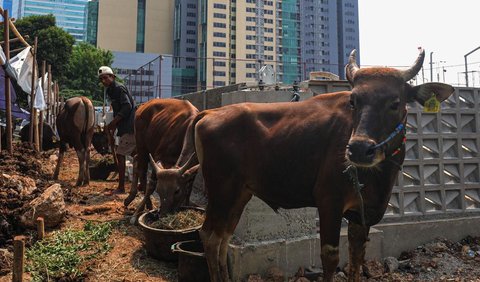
160, 126
75, 123
294, 155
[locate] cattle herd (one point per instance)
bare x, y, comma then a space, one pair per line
339, 152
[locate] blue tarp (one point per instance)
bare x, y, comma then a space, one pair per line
17, 112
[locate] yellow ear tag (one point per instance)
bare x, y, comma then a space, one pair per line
432, 105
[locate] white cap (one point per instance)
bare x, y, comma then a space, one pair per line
105, 70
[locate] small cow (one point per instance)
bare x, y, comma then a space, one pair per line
75, 124
315, 153
160, 126
48, 137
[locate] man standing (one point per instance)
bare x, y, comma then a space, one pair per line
123, 107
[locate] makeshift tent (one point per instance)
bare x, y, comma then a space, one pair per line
17, 112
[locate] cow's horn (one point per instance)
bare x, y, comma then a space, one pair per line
352, 66
413, 70
156, 167
188, 164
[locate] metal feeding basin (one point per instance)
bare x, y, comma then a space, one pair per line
158, 242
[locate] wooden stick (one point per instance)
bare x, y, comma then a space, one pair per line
41, 112
18, 258
49, 93
32, 93
15, 31
40, 228
8, 95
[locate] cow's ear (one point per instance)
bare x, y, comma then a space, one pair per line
423, 92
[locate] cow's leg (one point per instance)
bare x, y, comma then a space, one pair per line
330, 224
81, 166
221, 219
234, 216
357, 239
133, 190
86, 177
61, 153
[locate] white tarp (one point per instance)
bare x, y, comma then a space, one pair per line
22, 63
39, 102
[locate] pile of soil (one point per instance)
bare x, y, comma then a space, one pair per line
30, 166
101, 166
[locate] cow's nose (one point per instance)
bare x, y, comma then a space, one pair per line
361, 151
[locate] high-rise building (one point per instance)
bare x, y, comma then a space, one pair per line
237, 37
69, 14
185, 46
144, 26
330, 33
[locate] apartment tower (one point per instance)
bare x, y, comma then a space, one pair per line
143, 26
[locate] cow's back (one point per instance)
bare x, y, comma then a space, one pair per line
75, 122
281, 145
160, 127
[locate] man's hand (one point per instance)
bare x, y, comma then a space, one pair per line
113, 124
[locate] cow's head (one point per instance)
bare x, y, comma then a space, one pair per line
174, 185
378, 100
100, 142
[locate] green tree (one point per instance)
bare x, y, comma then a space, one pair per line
82, 69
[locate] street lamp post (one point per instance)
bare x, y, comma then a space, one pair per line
466, 64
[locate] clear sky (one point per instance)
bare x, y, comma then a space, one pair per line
391, 31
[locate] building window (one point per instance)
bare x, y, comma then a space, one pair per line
219, 15
219, 73
189, 23
219, 54
219, 44
219, 83
220, 25
219, 6
140, 26
219, 34
219, 64
191, 6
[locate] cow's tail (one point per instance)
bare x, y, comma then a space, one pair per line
189, 141
88, 121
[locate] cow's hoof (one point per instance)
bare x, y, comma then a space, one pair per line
134, 220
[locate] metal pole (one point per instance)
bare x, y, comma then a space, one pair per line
431, 68
8, 97
466, 65
466, 71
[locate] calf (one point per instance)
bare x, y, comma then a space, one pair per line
48, 136
160, 126
75, 124
315, 153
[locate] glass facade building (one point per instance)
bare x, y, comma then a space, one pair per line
7, 5
69, 14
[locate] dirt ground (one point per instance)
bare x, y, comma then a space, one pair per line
439, 260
